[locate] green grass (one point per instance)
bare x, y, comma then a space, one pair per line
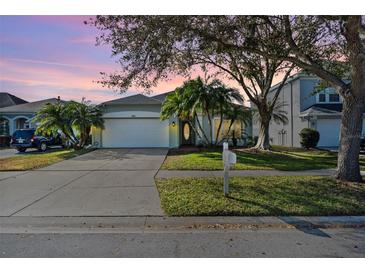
261, 196
280, 159
35, 160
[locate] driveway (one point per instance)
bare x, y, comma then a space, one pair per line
105, 182
8, 152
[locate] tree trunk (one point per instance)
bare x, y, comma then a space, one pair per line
219, 127
263, 141
353, 106
351, 127
200, 128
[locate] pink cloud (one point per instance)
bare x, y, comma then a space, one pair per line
90, 39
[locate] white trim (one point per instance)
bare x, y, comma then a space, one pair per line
327, 92
132, 114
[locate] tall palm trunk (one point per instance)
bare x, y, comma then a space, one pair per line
210, 126
219, 126
196, 118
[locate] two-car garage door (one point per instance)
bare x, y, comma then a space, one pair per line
135, 132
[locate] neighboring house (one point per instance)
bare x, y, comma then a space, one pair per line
7, 99
306, 107
134, 121
20, 116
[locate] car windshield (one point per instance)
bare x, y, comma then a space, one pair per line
23, 133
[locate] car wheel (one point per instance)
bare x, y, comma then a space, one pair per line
43, 147
21, 149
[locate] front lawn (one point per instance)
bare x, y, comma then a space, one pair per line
280, 159
261, 196
35, 160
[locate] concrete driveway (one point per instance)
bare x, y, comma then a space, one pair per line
105, 182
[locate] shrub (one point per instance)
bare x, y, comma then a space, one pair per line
309, 137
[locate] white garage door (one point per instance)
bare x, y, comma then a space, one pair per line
329, 130
137, 132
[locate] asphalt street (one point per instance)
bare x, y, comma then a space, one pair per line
185, 243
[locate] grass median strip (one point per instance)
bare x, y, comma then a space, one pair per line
261, 196
35, 160
279, 159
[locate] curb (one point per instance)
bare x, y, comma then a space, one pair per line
146, 224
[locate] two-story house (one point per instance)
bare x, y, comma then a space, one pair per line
306, 107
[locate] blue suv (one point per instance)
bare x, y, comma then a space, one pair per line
26, 138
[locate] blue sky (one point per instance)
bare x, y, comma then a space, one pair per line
50, 56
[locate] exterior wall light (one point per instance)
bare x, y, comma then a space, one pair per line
173, 124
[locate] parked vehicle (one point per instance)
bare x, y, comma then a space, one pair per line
26, 138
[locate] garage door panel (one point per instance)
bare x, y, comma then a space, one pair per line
329, 130
135, 133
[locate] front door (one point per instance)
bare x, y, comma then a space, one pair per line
187, 134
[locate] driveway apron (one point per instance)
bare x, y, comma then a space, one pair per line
105, 182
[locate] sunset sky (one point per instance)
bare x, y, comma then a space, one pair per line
49, 56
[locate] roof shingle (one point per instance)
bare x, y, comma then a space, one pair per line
32, 107
7, 99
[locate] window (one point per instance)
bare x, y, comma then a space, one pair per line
334, 98
4, 127
186, 131
21, 123
328, 95
235, 129
322, 98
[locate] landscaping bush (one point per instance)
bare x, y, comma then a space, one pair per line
309, 137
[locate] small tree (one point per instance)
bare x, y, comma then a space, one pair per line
309, 138
69, 118
85, 115
236, 113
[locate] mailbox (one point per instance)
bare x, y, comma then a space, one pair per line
229, 159
232, 158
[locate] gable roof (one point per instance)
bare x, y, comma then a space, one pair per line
161, 97
138, 99
32, 107
322, 109
7, 99
298, 75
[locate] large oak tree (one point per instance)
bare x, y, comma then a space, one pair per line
333, 48
151, 48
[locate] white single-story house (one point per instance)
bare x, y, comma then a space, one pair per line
134, 121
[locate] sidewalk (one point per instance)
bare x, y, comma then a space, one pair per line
239, 173
147, 224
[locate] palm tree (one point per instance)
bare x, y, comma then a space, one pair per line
70, 117
177, 104
237, 113
54, 117
195, 97
224, 100
85, 115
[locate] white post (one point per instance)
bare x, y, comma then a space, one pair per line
226, 168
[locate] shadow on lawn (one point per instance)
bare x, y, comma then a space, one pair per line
299, 224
